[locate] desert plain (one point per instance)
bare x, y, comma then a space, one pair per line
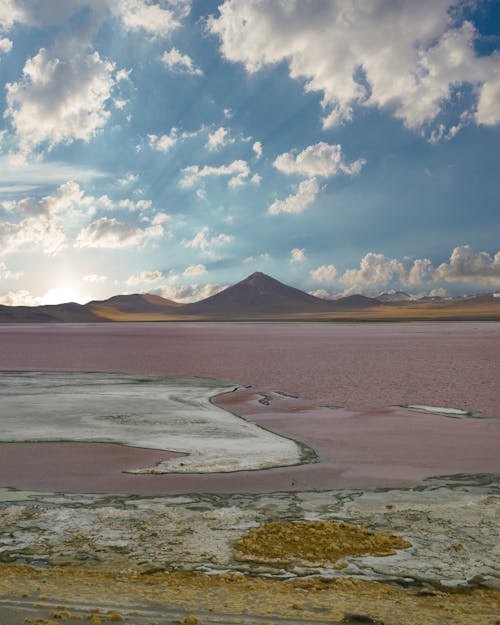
375, 502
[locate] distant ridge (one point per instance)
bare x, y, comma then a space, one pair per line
394, 296
260, 297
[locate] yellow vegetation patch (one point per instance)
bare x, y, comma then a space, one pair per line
315, 542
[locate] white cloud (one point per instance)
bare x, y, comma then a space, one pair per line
128, 180
94, 278
59, 100
130, 205
8, 274
10, 13
321, 293
194, 270
228, 113
257, 148
144, 277
264, 257
5, 45
488, 107
218, 139
179, 63
160, 219
440, 292
374, 270
297, 255
322, 159
41, 220
163, 143
238, 172
407, 57
188, 293
20, 298
205, 243
256, 179
421, 271
325, 274
469, 267
113, 234
151, 19
298, 202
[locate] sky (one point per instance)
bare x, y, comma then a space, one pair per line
177, 146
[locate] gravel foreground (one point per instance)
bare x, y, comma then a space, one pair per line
173, 557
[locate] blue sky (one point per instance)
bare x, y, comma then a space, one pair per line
177, 146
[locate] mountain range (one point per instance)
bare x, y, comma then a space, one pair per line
260, 297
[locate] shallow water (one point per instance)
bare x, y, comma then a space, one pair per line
366, 365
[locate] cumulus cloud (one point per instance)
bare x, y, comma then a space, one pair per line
421, 271
374, 270
297, 255
488, 109
194, 270
110, 233
218, 139
469, 267
140, 205
324, 273
127, 180
264, 257
94, 278
237, 171
10, 13
41, 223
160, 219
19, 298
59, 100
321, 293
163, 143
296, 202
257, 148
464, 266
179, 63
5, 45
144, 277
321, 159
149, 18
188, 293
407, 57
205, 243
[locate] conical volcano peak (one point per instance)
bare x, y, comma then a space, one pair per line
258, 293
258, 276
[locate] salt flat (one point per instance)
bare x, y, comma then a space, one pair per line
152, 412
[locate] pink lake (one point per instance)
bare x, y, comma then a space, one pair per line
367, 369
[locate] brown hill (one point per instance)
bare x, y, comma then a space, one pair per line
134, 307
70, 312
354, 302
134, 303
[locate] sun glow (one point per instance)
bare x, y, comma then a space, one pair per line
63, 295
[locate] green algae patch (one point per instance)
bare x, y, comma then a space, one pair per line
316, 542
